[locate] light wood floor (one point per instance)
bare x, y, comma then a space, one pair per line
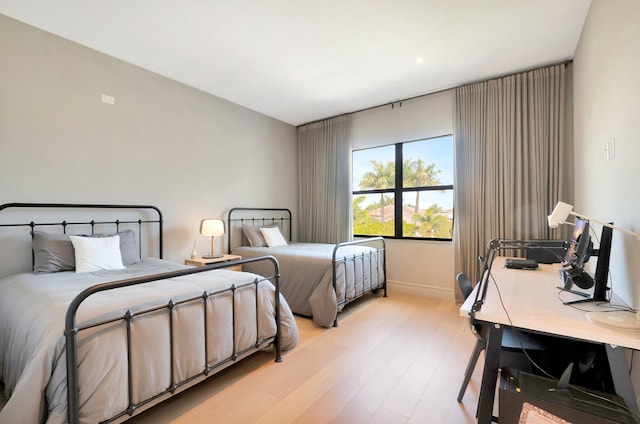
392, 360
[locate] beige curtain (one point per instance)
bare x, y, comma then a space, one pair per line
324, 171
513, 162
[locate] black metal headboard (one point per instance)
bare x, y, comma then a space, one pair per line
78, 217
255, 217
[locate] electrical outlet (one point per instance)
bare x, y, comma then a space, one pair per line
108, 99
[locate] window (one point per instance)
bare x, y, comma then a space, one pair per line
420, 173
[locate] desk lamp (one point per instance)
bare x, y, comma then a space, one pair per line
212, 228
562, 211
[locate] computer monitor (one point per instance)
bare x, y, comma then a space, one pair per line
602, 268
578, 254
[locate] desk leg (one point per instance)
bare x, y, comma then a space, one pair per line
490, 374
621, 379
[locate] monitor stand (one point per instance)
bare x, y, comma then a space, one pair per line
584, 279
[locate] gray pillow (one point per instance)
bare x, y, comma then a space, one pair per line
52, 253
254, 236
128, 247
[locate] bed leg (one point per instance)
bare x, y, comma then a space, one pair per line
276, 281
278, 349
335, 322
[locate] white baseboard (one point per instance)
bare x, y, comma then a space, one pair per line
420, 290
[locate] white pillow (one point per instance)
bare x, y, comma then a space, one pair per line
97, 253
273, 236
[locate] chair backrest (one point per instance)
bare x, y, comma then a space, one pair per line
466, 288
465, 284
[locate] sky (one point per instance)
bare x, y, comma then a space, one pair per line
437, 150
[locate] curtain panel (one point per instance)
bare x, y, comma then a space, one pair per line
513, 160
324, 172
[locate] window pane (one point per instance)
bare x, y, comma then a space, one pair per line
428, 162
427, 214
374, 168
426, 191
369, 218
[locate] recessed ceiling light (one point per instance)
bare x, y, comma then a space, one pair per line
419, 59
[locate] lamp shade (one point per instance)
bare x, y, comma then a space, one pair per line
560, 214
212, 227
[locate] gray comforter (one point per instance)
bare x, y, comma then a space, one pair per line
32, 348
306, 276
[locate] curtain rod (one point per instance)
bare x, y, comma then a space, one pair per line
564, 62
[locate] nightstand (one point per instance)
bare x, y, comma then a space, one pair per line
224, 258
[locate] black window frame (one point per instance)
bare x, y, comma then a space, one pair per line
399, 190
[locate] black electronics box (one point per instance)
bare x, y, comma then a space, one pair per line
528, 398
547, 251
514, 263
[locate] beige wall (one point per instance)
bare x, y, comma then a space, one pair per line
163, 143
421, 267
195, 155
191, 154
607, 107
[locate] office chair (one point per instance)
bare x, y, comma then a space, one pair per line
512, 341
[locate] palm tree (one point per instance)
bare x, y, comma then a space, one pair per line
415, 174
382, 176
386, 200
363, 222
433, 223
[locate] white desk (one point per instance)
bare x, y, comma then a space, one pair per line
531, 300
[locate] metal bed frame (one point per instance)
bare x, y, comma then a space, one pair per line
283, 218
72, 329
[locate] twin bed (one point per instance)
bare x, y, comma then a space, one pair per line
317, 280
105, 344
96, 327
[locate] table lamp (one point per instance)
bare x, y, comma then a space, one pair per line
562, 211
212, 228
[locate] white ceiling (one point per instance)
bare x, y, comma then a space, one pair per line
303, 60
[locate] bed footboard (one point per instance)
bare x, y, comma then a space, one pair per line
72, 330
369, 266
373, 269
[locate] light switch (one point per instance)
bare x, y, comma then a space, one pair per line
610, 150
